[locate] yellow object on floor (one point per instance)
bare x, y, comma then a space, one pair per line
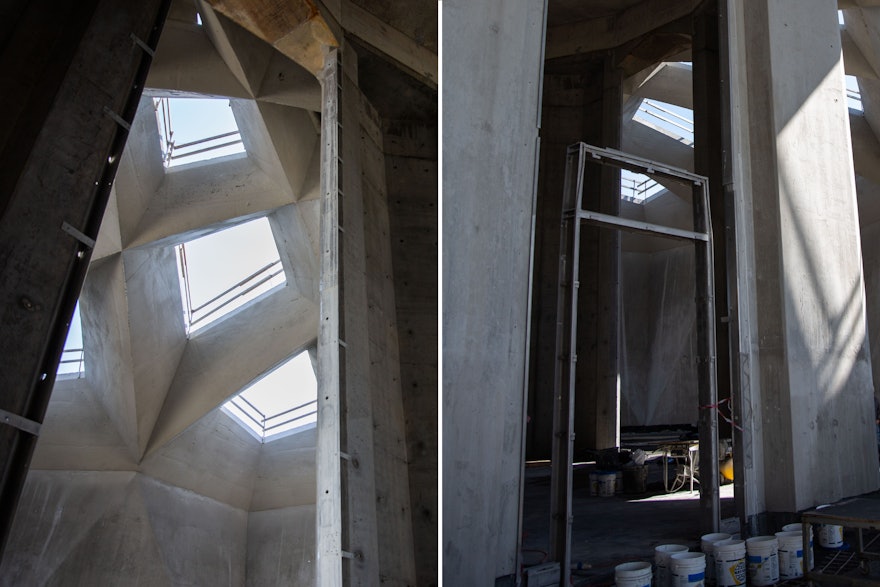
727, 469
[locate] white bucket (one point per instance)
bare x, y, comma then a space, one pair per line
706, 542
791, 554
797, 527
688, 569
637, 574
830, 536
606, 484
763, 557
661, 560
730, 563
594, 483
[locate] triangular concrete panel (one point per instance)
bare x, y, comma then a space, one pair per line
246, 56
77, 433
863, 29
224, 357
109, 240
122, 534
281, 546
141, 171
299, 256
215, 457
72, 504
205, 194
282, 140
158, 334
286, 475
669, 82
201, 541
107, 345
289, 84
186, 61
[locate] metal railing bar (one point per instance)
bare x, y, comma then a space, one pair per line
200, 141
239, 284
667, 111
285, 412
250, 417
289, 421
191, 153
242, 294
255, 408
672, 122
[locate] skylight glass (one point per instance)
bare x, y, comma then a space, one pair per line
283, 401
196, 129
675, 120
227, 269
73, 357
637, 187
853, 93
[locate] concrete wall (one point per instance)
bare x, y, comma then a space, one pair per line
492, 72
281, 547
658, 363
806, 357
871, 263
411, 172
121, 528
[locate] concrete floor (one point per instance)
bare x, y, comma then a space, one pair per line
612, 530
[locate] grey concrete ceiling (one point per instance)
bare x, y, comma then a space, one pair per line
149, 400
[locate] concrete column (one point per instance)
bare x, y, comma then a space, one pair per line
805, 367
597, 379
492, 72
581, 101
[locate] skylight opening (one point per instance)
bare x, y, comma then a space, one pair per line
853, 94
282, 402
840, 17
637, 187
196, 129
73, 362
225, 270
675, 120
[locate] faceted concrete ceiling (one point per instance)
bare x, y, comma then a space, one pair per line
150, 397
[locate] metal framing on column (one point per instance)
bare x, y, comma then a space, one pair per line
331, 369
58, 158
577, 157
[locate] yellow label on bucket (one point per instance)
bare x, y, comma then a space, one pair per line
738, 572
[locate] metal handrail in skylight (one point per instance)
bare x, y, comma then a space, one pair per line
203, 123
225, 270
853, 93
73, 356
671, 118
283, 401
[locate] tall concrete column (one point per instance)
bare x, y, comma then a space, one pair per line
597, 378
805, 368
581, 102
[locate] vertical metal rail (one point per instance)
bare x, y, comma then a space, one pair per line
707, 377
566, 362
329, 527
566, 333
17, 449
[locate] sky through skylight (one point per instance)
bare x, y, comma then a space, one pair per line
183, 121
72, 358
223, 260
292, 385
